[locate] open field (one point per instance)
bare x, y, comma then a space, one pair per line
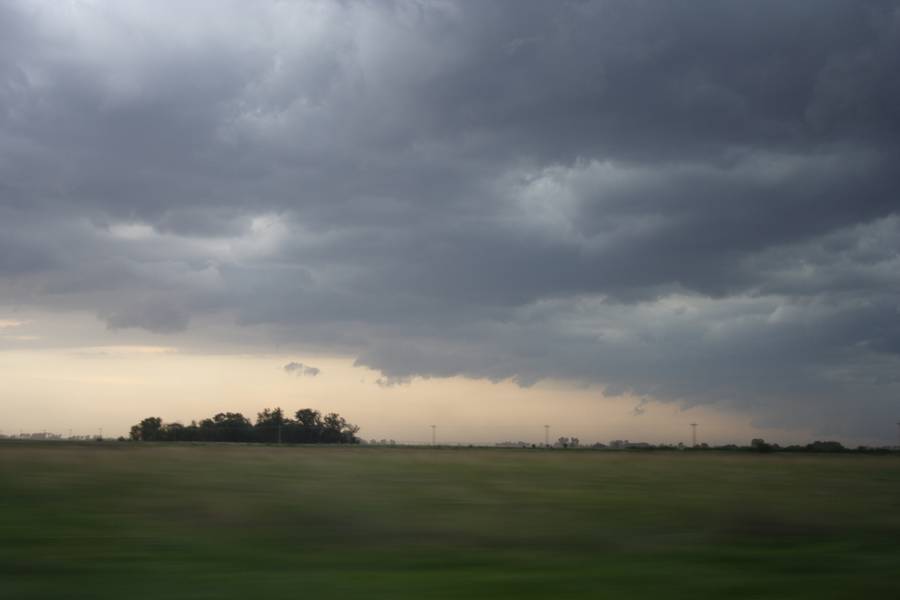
165, 521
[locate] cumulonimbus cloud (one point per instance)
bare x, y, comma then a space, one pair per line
646, 198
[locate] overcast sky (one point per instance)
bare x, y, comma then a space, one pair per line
674, 204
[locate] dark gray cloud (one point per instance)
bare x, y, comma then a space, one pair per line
301, 370
693, 202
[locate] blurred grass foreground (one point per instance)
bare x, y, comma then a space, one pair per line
211, 521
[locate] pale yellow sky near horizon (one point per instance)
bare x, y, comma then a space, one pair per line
114, 385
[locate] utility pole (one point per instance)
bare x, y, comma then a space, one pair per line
547, 435
434, 435
694, 434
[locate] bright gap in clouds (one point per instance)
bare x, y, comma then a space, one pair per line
109, 387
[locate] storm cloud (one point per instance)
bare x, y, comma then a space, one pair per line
691, 202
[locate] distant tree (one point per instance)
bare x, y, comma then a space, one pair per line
270, 424
335, 429
348, 435
226, 427
309, 427
308, 417
760, 445
270, 416
173, 432
191, 433
148, 430
829, 446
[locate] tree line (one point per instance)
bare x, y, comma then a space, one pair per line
272, 426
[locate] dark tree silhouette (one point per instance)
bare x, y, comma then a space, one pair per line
760, 445
148, 430
828, 446
270, 424
308, 427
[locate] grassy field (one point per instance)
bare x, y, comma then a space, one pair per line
155, 521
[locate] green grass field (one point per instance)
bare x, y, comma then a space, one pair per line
165, 521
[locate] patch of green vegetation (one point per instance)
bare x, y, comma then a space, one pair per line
229, 521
